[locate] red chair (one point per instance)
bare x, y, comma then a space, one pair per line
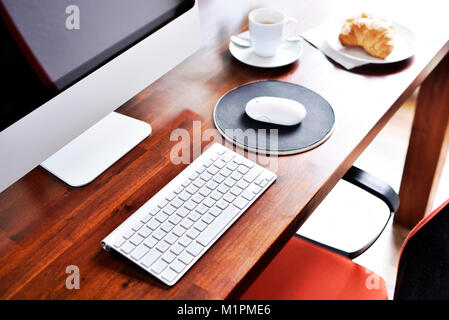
306, 269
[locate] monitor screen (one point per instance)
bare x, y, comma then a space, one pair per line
48, 45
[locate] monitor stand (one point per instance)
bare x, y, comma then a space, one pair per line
95, 150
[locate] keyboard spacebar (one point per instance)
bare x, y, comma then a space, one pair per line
208, 234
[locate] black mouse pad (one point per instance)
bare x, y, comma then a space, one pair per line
235, 125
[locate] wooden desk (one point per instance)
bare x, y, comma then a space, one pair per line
46, 226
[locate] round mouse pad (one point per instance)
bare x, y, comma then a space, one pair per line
234, 124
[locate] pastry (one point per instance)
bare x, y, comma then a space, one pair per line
375, 35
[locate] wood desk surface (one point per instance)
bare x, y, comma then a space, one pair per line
46, 226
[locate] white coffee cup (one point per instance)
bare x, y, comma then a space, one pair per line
267, 30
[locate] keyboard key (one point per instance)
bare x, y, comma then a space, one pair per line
151, 257
242, 169
200, 225
263, 183
184, 196
146, 218
136, 239
206, 176
185, 241
175, 219
235, 191
236, 176
215, 211
170, 196
229, 197
159, 266
168, 257
177, 249
208, 163
229, 182
212, 185
248, 195
194, 249
162, 246
161, 217
186, 257
201, 208
223, 189
169, 274
176, 203
171, 238
186, 183
219, 163
213, 170
159, 234
200, 169
193, 176
252, 174
119, 242
216, 195
153, 224
225, 172
194, 216
190, 205
178, 190
197, 198
137, 226
192, 233
219, 178
170, 208
184, 211
209, 202
162, 204
242, 184
167, 226
232, 166
218, 225
179, 231
240, 202
199, 183
186, 223
145, 232
150, 242
127, 247
222, 204
208, 218
228, 156
128, 234
177, 266
139, 252
214, 156
204, 191
191, 189
154, 211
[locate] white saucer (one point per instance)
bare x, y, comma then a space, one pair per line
286, 54
404, 46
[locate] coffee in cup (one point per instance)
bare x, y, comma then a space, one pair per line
267, 30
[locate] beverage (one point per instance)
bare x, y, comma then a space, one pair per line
266, 28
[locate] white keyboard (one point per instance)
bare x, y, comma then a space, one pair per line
173, 229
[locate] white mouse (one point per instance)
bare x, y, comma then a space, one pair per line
281, 111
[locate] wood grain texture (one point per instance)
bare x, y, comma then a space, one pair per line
427, 148
46, 225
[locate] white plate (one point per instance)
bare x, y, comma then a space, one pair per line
287, 53
404, 46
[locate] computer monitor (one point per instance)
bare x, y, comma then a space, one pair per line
67, 65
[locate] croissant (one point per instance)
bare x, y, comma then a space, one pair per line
373, 34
